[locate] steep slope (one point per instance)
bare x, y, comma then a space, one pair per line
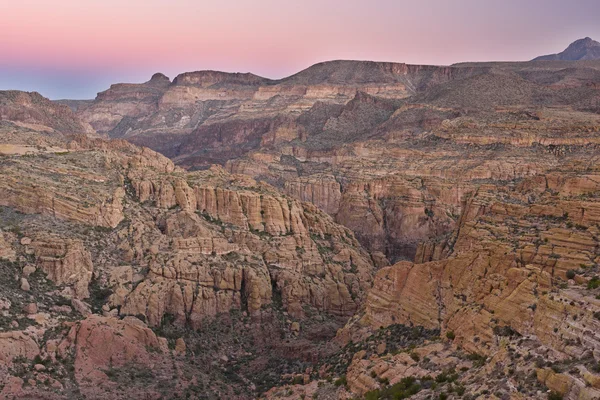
394, 171
205, 117
513, 293
121, 268
321, 132
478, 182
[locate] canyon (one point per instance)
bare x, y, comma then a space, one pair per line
356, 230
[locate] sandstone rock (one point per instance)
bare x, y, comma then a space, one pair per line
66, 262
13, 388
292, 252
295, 327
180, 346
16, 344
6, 250
99, 343
591, 379
81, 307
28, 270
559, 383
30, 308
25, 285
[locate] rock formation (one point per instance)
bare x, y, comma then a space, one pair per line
371, 230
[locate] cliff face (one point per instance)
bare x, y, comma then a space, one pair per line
445, 218
185, 119
109, 244
370, 143
512, 293
521, 262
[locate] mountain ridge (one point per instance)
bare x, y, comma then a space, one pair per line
357, 230
581, 49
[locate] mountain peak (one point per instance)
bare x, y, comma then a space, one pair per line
581, 49
159, 78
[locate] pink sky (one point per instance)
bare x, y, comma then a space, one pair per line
101, 41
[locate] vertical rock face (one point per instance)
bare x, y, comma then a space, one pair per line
388, 149
304, 259
103, 234
323, 191
66, 262
483, 183
512, 266
195, 110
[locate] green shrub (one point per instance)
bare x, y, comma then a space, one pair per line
404, 389
571, 274
341, 381
372, 395
478, 359
298, 380
554, 396
450, 335
384, 381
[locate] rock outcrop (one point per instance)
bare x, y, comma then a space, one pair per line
65, 262
445, 218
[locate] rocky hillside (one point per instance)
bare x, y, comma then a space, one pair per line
128, 277
207, 116
582, 49
371, 230
349, 135
504, 307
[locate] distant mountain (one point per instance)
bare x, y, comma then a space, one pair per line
582, 49
33, 109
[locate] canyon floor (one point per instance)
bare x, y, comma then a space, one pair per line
357, 230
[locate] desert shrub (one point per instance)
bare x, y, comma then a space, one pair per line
404, 389
341, 381
478, 359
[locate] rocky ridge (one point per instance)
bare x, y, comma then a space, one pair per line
478, 183
110, 244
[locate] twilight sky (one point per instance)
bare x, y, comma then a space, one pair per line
75, 48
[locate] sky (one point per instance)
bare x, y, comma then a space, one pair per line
76, 48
